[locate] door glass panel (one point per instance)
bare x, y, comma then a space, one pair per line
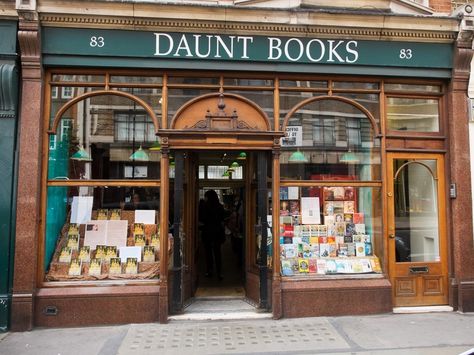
416, 211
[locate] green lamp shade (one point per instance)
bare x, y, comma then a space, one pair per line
226, 173
349, 158
297, 157
81, 155
139, 155
234, 165
172, 163
242, 156
156, 146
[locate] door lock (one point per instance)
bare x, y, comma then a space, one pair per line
391, 236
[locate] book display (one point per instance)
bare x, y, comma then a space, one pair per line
111, 245
325, 234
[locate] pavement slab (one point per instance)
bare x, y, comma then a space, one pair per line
258, 336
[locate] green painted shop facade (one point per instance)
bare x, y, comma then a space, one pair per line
8, 143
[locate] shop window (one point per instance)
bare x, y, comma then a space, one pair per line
412, 88
106, 229
355, 85
131, 79
102, 233
330, 230
78, 78
303, 84
248, 82
330, 218
113, 132
412, 114
330, 140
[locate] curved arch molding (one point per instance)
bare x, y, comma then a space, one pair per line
336, 98
65, 107
220, 112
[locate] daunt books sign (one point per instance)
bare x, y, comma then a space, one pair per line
244, 48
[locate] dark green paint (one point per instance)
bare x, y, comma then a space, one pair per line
117, 62
141, 44
8, 151
8, 38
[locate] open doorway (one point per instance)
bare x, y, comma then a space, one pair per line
221, 262
239, 181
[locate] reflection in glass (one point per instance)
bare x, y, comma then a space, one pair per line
416, 211
408, 114
110, 128
337, 140
264, 99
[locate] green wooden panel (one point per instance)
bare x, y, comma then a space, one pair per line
118, 62
8, 38
244, 49
8, 132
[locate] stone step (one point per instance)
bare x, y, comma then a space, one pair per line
220, 308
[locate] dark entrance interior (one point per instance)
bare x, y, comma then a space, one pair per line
240, 179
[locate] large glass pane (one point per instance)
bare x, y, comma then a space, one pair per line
104, 137
330, 230
128, 79
247, 82
91, 233
193, 80
78, 78
355, 85
304, 83
412, 88
330, 140
416, 211
408, 114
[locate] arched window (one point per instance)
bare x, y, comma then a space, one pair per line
330, 138
331, 189
103, 166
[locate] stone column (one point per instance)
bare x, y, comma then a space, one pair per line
29, 174
461, 233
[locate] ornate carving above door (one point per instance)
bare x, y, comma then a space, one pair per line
220, 112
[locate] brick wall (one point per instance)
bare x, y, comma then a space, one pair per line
454, 3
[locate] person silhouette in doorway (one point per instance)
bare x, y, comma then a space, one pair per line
212, 216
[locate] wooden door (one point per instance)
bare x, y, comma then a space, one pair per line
417, 229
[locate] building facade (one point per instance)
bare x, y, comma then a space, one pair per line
336, 137
8, 138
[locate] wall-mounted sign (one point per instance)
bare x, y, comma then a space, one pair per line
293, 137
244, 48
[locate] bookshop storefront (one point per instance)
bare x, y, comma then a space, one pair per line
336, 158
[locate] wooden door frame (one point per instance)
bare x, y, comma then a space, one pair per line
442, 218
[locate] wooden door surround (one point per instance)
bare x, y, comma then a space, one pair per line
220, 121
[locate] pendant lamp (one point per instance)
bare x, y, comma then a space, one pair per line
297, 157
242, 156
234, 165
81, 155
139, 155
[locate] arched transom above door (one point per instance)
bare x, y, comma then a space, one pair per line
221, 112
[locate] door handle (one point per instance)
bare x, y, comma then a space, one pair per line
391, 236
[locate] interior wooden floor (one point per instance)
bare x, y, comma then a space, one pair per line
232, 283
